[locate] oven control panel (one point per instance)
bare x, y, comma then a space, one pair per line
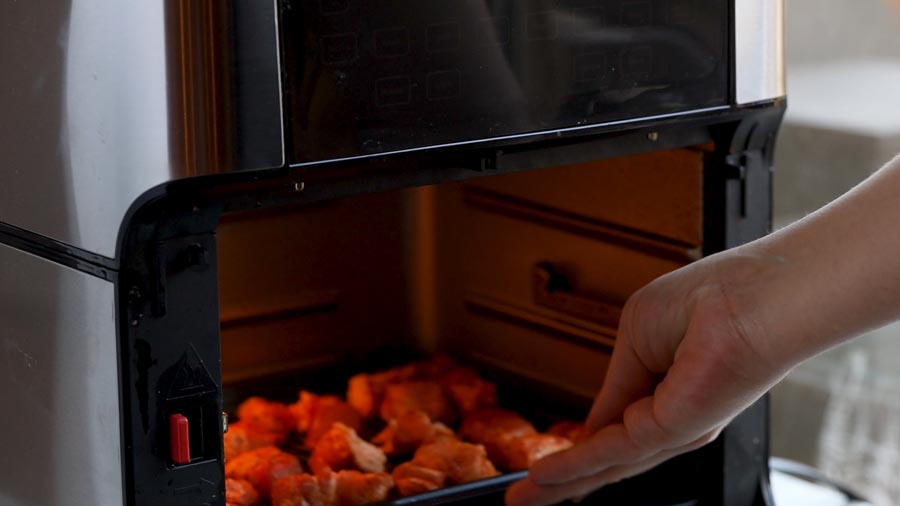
375, 77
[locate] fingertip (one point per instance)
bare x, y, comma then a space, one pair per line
549, 471
516, 494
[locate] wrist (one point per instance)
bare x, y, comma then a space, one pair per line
758, 288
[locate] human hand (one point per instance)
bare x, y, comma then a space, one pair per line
689, 357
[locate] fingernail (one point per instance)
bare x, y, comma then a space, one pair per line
513, 495
541, 477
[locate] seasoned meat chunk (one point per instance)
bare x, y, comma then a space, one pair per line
298, 490
460, 462
241, 438
364, 395
240, 492
262, 467
365, 392
435, 367
304, 410
427, 397
485, 425
353, 488
315, 415
264, 416
329, 488
412, 479
467, 390
521, 453
404, 435
573, 431
341, 448
495, 429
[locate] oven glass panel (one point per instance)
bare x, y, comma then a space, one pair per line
369, 77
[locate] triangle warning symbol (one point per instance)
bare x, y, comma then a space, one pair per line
190, 377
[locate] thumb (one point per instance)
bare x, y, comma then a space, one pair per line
649, 334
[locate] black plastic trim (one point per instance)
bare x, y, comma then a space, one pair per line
58, 252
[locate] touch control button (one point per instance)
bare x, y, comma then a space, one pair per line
339, 49
443, 85
392, 91
391, 42
334, 6
442, 37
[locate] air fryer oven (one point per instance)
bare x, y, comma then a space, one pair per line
203, 201
521, 275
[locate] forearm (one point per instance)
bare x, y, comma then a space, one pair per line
832, 275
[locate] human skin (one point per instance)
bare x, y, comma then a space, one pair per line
701, 344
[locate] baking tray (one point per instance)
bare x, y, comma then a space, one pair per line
538, 405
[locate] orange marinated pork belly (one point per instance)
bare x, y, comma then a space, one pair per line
404, 435
240, 438
365, 392
262, 467
495, 429
435, 367
265, 416
573, 431
240, 492
425, 396
353, 488
521, 453
297, 490
485, 425
315, 415
342, 488
467, 390
412, 479
341, 448
460, 462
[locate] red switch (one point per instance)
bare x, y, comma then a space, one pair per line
179, 438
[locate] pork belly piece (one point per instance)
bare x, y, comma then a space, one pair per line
265, 416
364, 395
459, 462
485, 425
404, 435
573, 431
495, 429
240, 438
240, 492
304, 410
365, 392
341, 448
262, 467
329, 488
297, 490
467, 390
520, 453
412, 479
435, 367
353, 488
315, 415
427, 397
